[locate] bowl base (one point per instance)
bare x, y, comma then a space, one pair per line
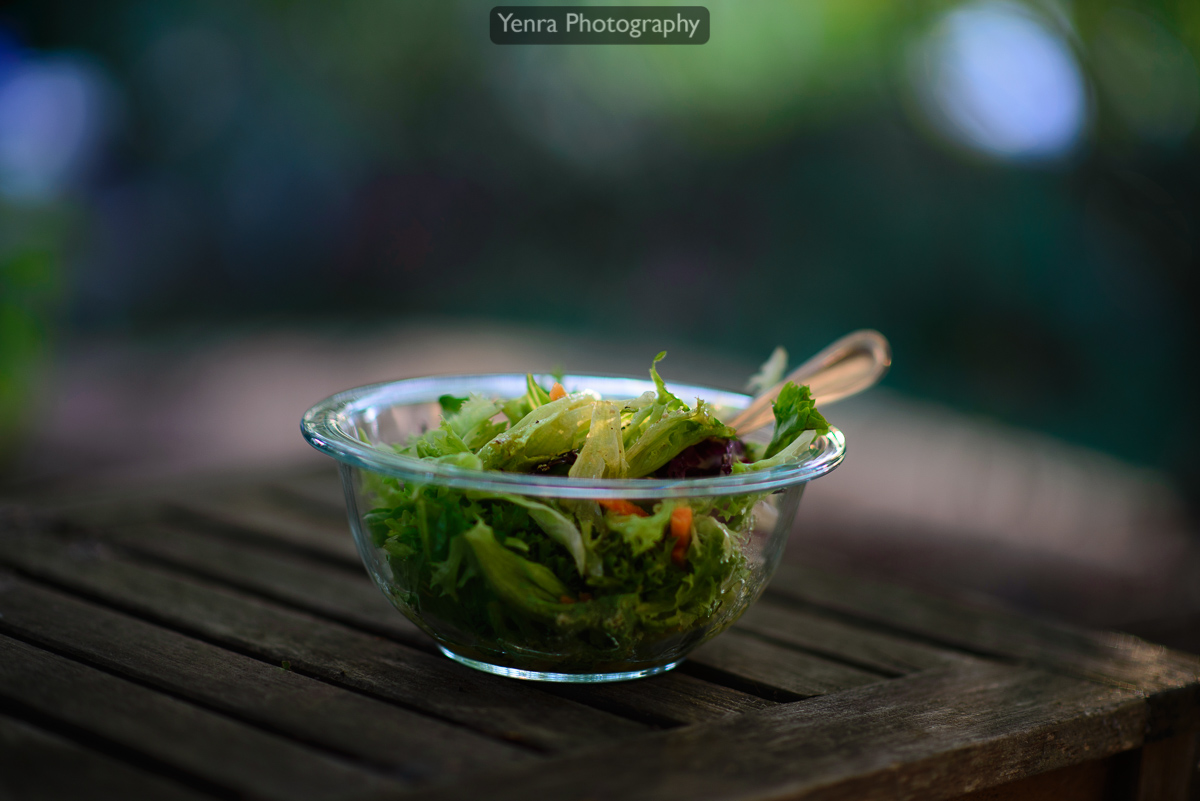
537, 675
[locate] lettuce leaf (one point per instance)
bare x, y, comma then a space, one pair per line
472, 422
642, 533
557, 525
669, 434
546, 432
603, 452
525, 585
795, 413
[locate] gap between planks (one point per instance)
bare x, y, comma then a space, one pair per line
674, 698
34, 751
933, 735
1169, 679
396, 741
218, 750
416, 680
810, 660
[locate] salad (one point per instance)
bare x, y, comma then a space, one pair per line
567, 584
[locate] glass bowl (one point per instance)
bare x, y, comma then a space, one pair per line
601, 628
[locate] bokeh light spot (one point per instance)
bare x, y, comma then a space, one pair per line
53, 113
993, 77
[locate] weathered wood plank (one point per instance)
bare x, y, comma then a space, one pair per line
924, 737
1170, 679
678, 700
188, 738
36, 764
249, 520
430, 683
669, 699
781, 674
774, 672
411, 747
867, 649
350, 598
67, 624
355, 601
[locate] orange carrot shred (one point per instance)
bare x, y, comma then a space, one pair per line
681, 521
557, 391
566, 599
681, 530
622, 507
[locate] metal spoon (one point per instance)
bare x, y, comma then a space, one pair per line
851, 364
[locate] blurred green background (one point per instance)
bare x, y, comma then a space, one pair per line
1008, 190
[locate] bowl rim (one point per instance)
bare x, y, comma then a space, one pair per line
321, 427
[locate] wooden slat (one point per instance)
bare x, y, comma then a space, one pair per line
354, 600
215, 748
433, 684
1170, 679
869, 650
300, 582
668, 699
782, 674
36, 764
249, 519
410, 746
774, 672
924, 737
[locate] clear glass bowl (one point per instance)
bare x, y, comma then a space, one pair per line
358, 428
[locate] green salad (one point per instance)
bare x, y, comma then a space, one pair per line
578, 583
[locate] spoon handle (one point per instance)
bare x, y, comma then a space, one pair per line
848, 366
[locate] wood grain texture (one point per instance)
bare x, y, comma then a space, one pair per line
36, 765
411, 747
779, 673
770, 670
235, 516
347, 596
679, 700
1170, 680
422, 681
907, 696
219, 750
929, 736
669, 699
867, 649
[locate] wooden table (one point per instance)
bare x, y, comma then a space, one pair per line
225, 641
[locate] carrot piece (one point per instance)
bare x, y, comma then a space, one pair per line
557, 391
681, 522
681, 530
622, 507
566, 599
